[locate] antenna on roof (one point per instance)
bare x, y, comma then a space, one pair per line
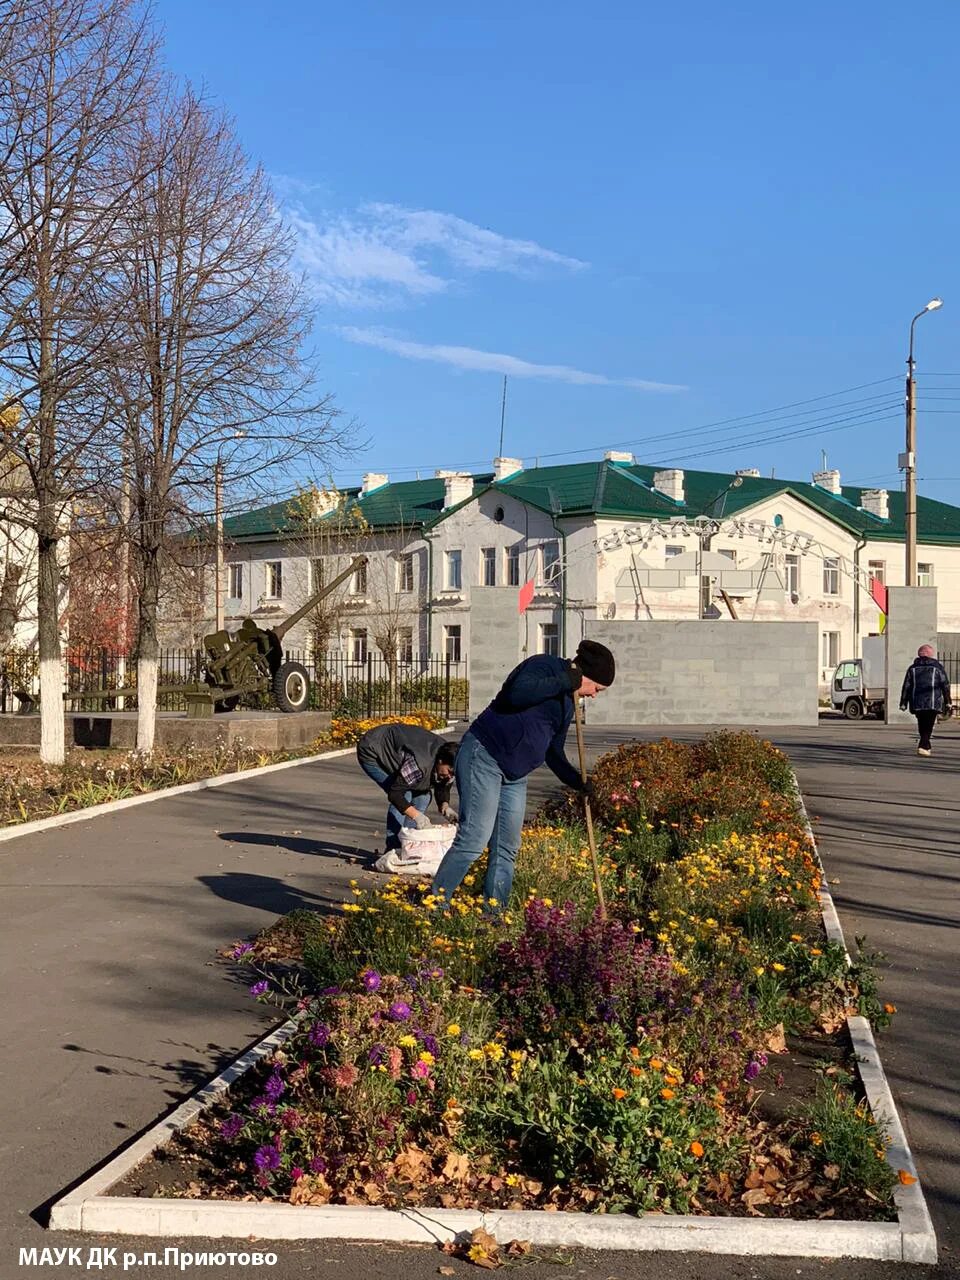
503, 414
823, 455
773, 473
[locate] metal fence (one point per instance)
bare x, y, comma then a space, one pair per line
338, 684
951, 662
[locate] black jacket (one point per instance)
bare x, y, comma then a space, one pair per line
526, 724
408, 754
926, 687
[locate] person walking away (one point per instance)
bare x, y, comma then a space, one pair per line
524, 727
409, 764
926, 693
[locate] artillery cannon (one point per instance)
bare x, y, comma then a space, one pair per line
251, 662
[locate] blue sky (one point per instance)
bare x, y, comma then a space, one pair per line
653, 218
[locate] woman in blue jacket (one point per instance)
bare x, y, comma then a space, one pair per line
926, 692
524, 727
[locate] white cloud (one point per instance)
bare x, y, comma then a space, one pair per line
383, 254
469, 358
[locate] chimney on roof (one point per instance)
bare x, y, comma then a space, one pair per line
457, 487
504, 467
876, 502
616, 455
373, 480
748, 471
670, 484
323, 501
829, 480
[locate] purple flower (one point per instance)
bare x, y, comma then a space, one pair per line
753, 1070
241, 949
431, 1046
371, 980
399, 1011
318, 1165
330, 991
263, 1103
296, 1173
411, 1097
267, 1158
319, 1035
260, 988
377, 1054
274, 1087
230, 1127
420, 1069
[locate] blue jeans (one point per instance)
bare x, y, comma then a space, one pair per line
395, 819
491, 813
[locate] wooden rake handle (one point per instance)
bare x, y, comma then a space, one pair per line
591, 838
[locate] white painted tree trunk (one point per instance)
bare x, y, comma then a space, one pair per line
51, 711
147, 703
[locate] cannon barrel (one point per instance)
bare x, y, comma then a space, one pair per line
281, 629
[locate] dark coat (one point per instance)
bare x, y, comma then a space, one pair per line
408, 754
926, 687
526, 724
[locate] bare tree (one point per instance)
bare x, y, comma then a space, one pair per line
74, 73
209, 369
327, 529
394, 595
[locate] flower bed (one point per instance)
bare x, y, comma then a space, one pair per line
346, 731
555, 1060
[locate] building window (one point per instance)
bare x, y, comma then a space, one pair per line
670, 552
792, 566
550, 563
877, 569
513, 565
488, 566
831, 576
451, 643
236, 581
274, 579
924, 575
730, 554
831, 649
550, 639
453, 580
405, 645
405, 572
358, 644
358, 582
316, 576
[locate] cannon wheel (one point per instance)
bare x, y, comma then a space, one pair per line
291, 687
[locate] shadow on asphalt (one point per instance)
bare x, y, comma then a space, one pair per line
301, 844
265, 893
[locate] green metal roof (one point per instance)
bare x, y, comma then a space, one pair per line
619, 490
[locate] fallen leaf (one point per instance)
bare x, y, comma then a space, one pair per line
456, 1167
906, 1179
753, 1180
776, 1041
518, 1248
447, 1271
831, 1171
752, 1198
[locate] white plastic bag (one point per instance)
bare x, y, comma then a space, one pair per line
421, 851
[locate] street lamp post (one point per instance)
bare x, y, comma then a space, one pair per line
908, 460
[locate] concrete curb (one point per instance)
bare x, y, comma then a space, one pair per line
163, 793
919, 1240
910, 1239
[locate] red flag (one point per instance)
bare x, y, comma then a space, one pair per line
879, 593
526, 597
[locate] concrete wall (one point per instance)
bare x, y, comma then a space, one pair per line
718, 673
495, 642
911, 622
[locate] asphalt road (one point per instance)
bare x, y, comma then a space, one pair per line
116, 1008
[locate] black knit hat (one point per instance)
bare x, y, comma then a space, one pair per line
596, 662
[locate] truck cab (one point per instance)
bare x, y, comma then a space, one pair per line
851, 694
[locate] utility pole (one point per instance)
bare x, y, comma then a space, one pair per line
908, 460
503, 414
218, 516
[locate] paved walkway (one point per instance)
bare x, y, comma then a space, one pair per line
115, 1007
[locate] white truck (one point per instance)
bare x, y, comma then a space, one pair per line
859, 685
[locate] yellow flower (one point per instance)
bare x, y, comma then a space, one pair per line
493, 1051
453, 1029
428, 1058
476, 1055
408, 1042
778, 968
